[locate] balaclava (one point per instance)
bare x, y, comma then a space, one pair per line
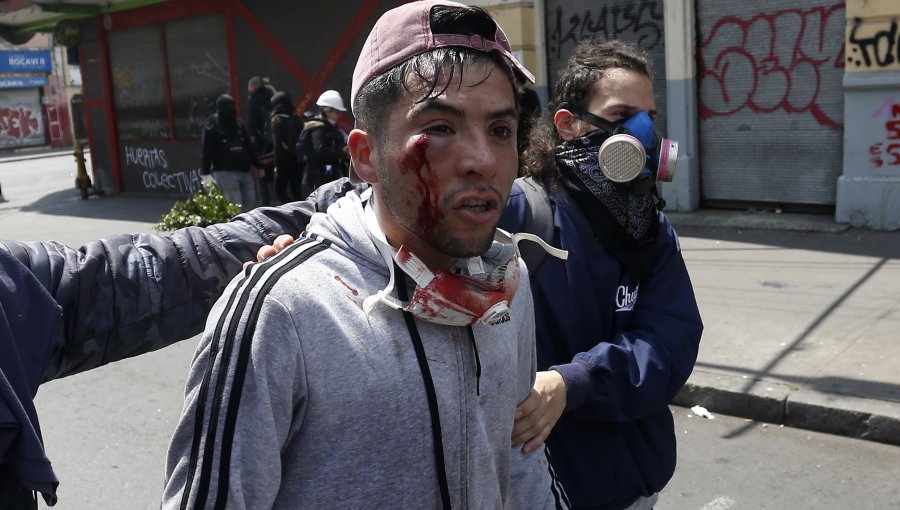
281, 104
226, 113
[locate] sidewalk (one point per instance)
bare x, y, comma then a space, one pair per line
802, 321
24, 153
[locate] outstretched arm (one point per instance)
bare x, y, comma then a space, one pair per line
130, 294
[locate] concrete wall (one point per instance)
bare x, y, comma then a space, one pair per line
868, 191
682, 194
523, 23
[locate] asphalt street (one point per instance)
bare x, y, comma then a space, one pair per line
787, 314
732, 463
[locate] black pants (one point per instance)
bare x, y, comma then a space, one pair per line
288, 179
264, 185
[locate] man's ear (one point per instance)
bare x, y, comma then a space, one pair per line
360, 144
567, 125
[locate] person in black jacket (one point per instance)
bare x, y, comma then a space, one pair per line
228, 154
286, 127
258, 125
324, 144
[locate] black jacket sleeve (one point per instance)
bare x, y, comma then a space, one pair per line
129, 294
208, 149
248, 147
284, 147
327, 144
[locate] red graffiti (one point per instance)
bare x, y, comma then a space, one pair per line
883, 153
789, 60
18, 122
893, 129
880, 151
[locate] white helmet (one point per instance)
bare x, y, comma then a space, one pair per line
332, 99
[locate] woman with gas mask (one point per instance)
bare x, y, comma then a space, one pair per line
618, 326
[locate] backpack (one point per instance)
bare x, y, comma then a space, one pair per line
538, 221
303, 148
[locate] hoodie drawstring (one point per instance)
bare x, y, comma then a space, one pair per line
437, 438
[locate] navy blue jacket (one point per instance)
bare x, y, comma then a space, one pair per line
30, 323
624, 348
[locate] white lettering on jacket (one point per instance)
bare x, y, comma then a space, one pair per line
626, 298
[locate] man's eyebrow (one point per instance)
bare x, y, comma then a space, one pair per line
504, 113
432, 105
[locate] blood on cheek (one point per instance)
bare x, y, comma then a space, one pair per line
415, 164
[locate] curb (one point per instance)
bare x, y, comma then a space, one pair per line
11, 158
755, 220
781, 404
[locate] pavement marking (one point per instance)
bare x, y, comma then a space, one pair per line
719, 503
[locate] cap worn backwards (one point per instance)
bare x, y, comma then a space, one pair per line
405, 31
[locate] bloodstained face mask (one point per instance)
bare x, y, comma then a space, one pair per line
445, 297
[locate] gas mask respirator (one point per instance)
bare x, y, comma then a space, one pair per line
632, 153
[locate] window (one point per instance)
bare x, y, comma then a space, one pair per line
197, 57
198, 71
139, 86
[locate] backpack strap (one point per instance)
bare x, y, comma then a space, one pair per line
538, 221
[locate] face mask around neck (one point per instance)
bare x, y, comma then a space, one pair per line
447, 298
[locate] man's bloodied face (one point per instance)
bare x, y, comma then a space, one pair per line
446, 165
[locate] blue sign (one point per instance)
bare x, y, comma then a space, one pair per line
27, 61
25, 82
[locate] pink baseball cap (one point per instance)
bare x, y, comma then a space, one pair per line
405, 31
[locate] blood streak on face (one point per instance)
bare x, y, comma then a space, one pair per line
415, 161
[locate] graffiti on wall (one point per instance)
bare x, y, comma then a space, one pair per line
156, 175
774, 61
641, 21
178, 182
887, 153
873, 45
146, 158
19, 123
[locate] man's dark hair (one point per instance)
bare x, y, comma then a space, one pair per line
587, 66
436, 68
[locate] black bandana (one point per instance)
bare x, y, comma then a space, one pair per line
626, 222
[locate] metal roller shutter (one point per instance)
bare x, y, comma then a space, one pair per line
771, 100
640, 22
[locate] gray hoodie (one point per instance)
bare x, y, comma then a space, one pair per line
299, 399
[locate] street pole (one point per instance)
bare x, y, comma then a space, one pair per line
82, 181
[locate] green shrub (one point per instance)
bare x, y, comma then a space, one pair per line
204, 207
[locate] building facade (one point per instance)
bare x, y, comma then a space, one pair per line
787, 105
868, 191
34, 105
